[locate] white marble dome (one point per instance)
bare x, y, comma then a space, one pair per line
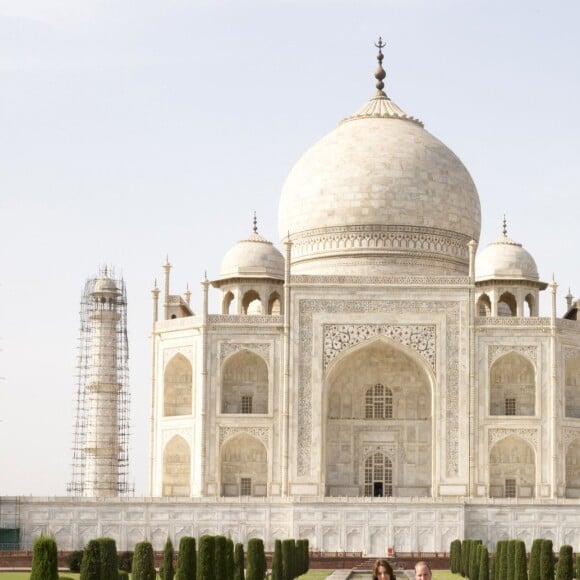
105, 285
505, 259
382, 188
253, 257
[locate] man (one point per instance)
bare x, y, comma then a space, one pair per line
422, 571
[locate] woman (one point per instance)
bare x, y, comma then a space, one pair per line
382, 571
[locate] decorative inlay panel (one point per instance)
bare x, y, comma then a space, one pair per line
261, 433
390, 449
307, 307
529, 435
382, 280
497, 350
249, 319
340, 337
570, 353
569, 435
229, 348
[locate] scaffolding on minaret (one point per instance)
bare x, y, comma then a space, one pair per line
100, 466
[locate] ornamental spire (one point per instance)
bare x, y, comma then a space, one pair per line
504, 227
380, 73
255, 228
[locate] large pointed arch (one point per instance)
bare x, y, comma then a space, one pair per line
243, 466
176, 468
400, 382
245, 383
512, 385
177, 387
573, 387
573, 468
512, 468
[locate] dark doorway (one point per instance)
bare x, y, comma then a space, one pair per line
378, 489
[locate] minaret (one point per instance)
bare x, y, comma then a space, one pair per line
100, 453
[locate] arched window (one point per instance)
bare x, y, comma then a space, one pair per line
573, 388
378, 476
176, 468
251, 304
512, 469
177, 399
531, 305
379, 402
506, 305
227, 302
484, 305
244, 467
245, 384
512, 389
274, 305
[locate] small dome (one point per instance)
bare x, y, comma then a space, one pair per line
253, 257
105, 285
505, 259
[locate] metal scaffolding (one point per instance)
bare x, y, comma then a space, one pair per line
100, 466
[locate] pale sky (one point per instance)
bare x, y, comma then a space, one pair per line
134, 129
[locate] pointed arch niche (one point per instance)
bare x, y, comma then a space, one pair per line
378, 404
245, 384
177, 387
573, 469
512, 389
244, 467
176, 468
512, 468
573, 387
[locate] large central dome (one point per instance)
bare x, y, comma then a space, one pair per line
379, 195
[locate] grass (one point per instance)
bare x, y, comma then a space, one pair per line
316, 575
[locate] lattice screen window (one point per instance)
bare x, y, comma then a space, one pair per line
510, 406
246, 486
378, 473
379, 402
510, 488
246, 403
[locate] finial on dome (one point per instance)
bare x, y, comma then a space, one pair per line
504, 227
380, 73
255, 228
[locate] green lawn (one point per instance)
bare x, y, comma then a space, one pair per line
316, 575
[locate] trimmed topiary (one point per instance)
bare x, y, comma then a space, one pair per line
277, 570
474, 562
221, 569
565, 565
535, 554
167, 570
483, 569
520, 564
577, 570
205, 558
502, 559
143, 562
230, 558
256, 569
44, 559
511, 559
289, 559
186, 559
455, 556
239, 562
91, 564
547, 560
108, 559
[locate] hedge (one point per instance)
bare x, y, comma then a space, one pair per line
44, 559
143, 563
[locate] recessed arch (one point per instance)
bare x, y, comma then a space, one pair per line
507, 305
512, 389
177, 387
573, 387
227, 302
245, 383
244, 466
529, 305
396, 377
484, 305
275, 304
176, 468
378, 475
512, 468
573, 469
252, 303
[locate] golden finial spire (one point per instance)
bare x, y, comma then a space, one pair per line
504, 227
255, 228
380, 73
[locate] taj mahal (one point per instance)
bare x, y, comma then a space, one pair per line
375, 382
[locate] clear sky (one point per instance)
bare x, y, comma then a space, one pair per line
134, 129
